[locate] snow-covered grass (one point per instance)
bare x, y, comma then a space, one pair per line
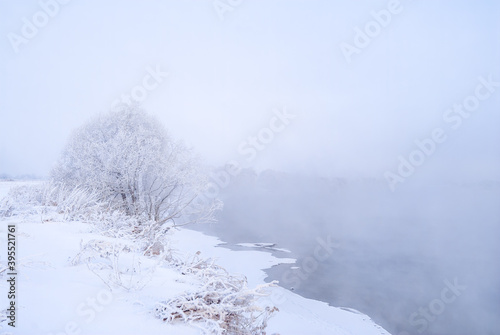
74, 280
6, 186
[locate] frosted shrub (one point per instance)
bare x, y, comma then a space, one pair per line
23, 200
147, 236
223, 305
78, 203
131, 163
75, 203
116, 263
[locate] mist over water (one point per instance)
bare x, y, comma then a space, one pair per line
424, 86
393, 254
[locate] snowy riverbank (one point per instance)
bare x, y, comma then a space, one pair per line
56, 296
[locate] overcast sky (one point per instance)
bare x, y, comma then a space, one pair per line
229, 69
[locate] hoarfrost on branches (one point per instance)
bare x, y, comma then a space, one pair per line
223, 305
135, 166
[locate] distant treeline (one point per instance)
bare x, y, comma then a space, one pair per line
8, 177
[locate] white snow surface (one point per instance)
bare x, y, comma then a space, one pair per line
56, 297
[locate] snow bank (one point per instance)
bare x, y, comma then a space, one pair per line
297, 315
55, 296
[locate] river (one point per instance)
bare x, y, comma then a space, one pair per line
421, 260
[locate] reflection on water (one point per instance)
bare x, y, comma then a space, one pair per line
418, 261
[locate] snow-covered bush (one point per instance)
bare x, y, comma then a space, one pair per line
52, 202
74, 204
124, 173
116, 263
78, 203
130, 161
23, 200
148, 236
223, 305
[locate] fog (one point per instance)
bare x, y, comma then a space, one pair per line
226, 76
391, 254
386, 139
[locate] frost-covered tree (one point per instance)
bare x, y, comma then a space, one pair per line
130, 160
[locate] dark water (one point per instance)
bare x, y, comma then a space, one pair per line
423, 260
